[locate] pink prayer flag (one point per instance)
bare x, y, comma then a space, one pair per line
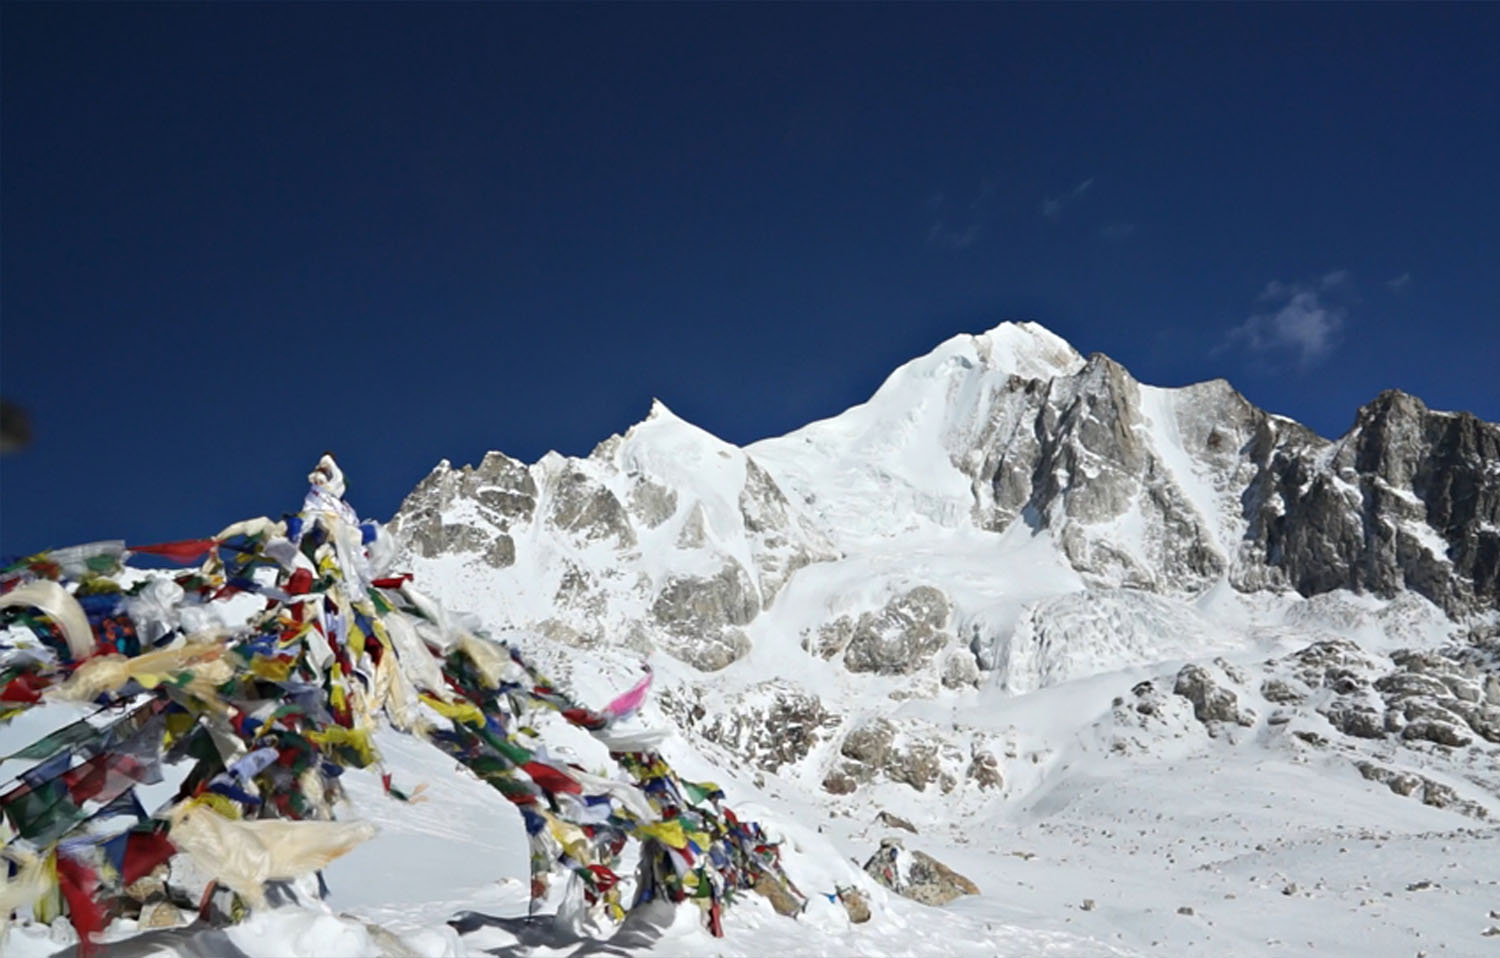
631, 700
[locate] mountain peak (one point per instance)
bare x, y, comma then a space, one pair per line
659, 410
1027, 349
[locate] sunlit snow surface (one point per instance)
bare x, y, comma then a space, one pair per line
1107, 837
1275, 851
462, 850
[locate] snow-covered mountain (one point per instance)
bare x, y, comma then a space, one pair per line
1026, 472
1018, 593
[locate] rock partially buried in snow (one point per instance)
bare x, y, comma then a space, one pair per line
1211, 702
855, 904
895, 821
899, 639
781, 899
782, 728
917, 875
702, 615
1432, 793
914, 755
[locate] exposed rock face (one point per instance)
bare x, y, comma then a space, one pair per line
1438, 697
917, 754
1160, 492
1429, 711
498, 495
917, 875
699, 614
587, 508
769, 737
895, 821
780, 897
721, 554
902, 637
855, 904
1071, 454
694, 604
1429, 792
960, 669
1141, 502
651, 503
780, 543
1211, 702
984, 768
1409, 499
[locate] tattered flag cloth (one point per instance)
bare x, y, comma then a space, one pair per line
187, 552
271, 713
628, 703
58, 604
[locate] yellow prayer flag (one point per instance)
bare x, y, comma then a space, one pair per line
457, 711
668, 831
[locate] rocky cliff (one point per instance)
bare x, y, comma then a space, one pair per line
1016, 599
669, 538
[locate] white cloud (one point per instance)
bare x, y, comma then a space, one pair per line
957, 224
1299, 324
941, 235
1275, 290
1399, 283
1052, 206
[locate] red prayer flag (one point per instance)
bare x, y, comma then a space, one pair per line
392, 582
551, 779
603, 877
186, 552
25, 687
583, 718
106, 775
143, 852
77, 883
300, 582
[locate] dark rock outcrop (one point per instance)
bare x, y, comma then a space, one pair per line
769, 737
1403, 479
1211, 701
917, 875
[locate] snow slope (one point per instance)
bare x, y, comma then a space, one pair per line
969, 569
1015, 598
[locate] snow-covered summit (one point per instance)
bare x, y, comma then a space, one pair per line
1036, 471
1013, 575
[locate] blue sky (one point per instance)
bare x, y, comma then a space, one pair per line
237, 235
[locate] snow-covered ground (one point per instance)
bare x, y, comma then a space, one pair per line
1126, 750
1245, 844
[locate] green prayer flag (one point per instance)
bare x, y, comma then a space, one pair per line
66, 737
39, 812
